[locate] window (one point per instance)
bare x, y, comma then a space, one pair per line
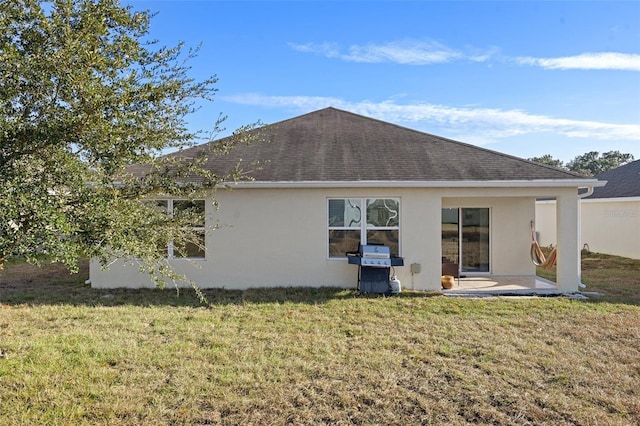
192, 211
355, 221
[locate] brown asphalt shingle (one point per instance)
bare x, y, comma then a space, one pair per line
339, 146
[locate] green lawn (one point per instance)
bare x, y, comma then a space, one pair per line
76, 355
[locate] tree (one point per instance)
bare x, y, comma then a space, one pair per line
83, 95
588, 164
548, 160
592, 163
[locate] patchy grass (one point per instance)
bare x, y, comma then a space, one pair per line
617, 278
76, 355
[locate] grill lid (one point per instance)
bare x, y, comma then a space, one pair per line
375, 252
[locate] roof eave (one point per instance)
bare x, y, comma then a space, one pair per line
547, 183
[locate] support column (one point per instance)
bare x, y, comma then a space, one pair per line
568, 241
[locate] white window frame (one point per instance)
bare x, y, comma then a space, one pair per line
198, 229
364, 226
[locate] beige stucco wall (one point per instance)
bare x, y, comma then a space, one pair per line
278, 237
610, 226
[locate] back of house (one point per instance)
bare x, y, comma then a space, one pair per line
325, 183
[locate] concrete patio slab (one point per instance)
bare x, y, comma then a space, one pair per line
487, 286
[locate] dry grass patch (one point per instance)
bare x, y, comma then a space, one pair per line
312, 356
617, 278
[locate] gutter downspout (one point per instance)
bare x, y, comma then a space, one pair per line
589, 192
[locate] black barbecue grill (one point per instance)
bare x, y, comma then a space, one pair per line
374, 267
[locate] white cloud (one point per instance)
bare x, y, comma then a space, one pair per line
302, 103
330, 50
407, 52
587, 61
490, 123
412, 52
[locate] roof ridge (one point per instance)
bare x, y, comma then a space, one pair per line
368, 149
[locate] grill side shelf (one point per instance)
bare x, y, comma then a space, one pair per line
397, 261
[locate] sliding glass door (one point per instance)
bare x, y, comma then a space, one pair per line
465, 238
474, 237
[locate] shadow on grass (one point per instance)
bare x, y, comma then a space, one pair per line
600, 294
53, 285
24, 284
77, 294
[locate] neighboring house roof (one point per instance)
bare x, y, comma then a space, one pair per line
623, 181
331, 145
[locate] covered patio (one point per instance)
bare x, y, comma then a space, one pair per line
503, 286
487, 240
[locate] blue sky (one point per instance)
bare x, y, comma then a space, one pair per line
523, 78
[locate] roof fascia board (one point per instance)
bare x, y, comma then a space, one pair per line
552, 183
611, 200
598, 200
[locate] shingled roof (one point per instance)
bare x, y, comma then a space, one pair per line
623, 181
332, 145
